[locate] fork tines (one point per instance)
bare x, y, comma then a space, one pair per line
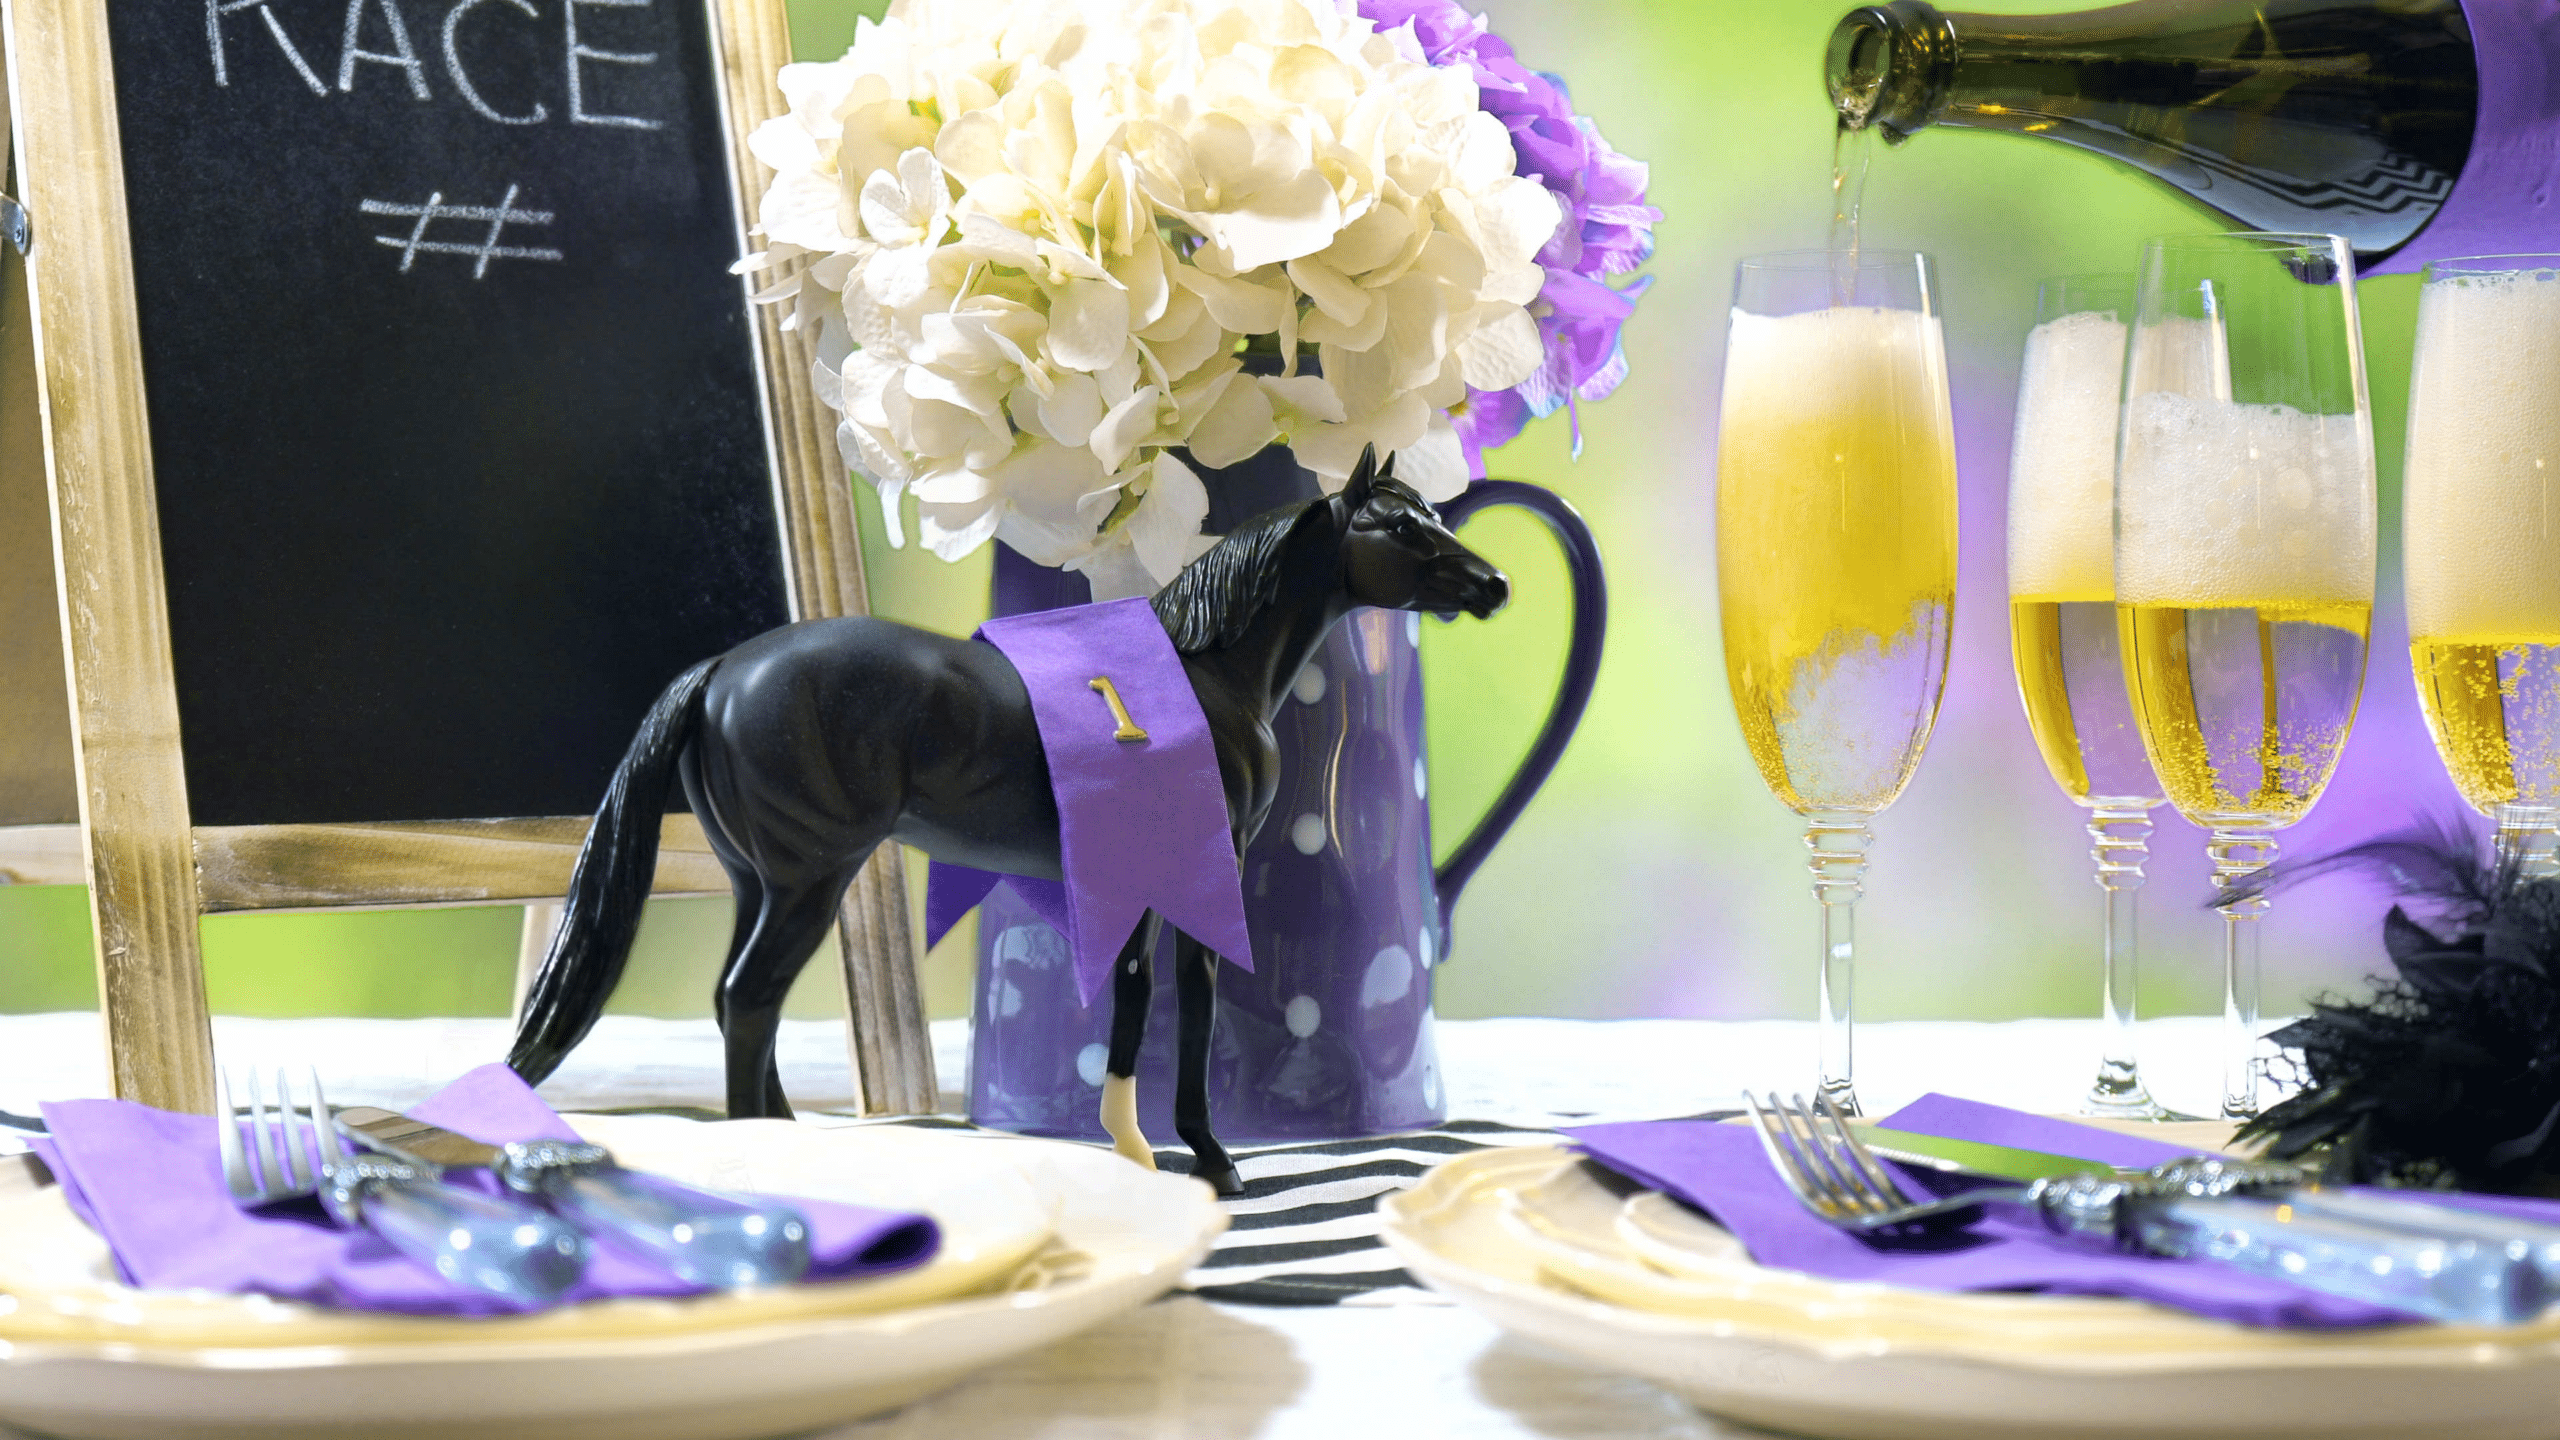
1823, 1162
273, 1152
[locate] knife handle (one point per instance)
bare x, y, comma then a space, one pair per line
716, 1240
502, 1246
2392, 1212
2456, 1279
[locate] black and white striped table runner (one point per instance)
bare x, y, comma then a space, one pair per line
1305, 1232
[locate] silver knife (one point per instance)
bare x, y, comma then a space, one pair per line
2291, 1183
2268, 1215
706, 1238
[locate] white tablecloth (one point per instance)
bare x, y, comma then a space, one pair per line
1188, 1369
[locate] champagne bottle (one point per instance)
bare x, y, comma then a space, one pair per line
2414, 128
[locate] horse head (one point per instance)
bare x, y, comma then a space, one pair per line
1397, 555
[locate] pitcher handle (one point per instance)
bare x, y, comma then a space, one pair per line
1573, 688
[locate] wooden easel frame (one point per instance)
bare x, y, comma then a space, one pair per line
151, 873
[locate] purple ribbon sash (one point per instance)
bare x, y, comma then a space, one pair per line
1142, 822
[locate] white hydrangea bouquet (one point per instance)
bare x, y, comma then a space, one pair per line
1034, 237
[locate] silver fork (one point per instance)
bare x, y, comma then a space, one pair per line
499, 1245
268, 1156
2187, 1209
1836, 1177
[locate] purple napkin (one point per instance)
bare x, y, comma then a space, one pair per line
1721, 1169
150, 1182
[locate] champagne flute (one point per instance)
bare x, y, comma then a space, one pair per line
2244, 556
1836, 559
2062, 629
2481, 540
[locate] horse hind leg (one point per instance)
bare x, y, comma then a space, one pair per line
1133, 984
1195, 984
746, 891
790, 923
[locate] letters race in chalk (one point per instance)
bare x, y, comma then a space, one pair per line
376, 32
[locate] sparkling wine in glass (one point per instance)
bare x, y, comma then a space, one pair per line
2062, 629
2480, 537
2244, 555
1836, 559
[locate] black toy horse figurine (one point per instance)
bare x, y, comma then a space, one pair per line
805, 748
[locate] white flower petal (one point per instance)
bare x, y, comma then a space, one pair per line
1334, 293
1244, 306
1282, 222
957, 486
1114, 570
1046, 482
1435, 465
1072, 409
972, 145
1236, 428
1088, 324
884, 211
952, 531
1168, 519
1503, 352
1484, 157
1124, 426
1515, 220
1304, 398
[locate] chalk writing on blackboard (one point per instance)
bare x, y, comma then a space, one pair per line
498, 218
384, 18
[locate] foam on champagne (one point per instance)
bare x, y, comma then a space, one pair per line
2226, 504
1836, 546
2062, 460
1835, 458
2481, 525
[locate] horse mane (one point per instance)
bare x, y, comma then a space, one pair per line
1216, 597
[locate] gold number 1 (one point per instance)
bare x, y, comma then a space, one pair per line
1128, 730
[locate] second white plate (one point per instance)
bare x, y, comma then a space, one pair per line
1532, 1240
1042, 1239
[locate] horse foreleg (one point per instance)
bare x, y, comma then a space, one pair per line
1133, 984
789, 926
1195, 985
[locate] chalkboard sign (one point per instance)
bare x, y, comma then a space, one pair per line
405, 433
453, 399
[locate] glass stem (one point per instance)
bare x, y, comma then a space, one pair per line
2525, 839
1837, 841
2237, 855
2119, 840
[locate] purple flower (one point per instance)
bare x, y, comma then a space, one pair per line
1607, 227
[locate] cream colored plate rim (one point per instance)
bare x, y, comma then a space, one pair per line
1549, 1259
1006, 1253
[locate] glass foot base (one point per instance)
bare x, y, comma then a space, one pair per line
2140, 1108
1843, 1095
2118, 1094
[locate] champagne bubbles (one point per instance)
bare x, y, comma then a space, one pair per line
2224, 503
2062, 467
2482, 519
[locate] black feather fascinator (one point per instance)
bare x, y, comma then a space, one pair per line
2449, 1076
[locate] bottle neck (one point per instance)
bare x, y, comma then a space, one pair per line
1891, 66
2348, 117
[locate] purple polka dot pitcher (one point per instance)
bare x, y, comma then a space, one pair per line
1330, 1035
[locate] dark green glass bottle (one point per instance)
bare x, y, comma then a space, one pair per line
2344, 117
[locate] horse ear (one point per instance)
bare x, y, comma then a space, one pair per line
1364, 478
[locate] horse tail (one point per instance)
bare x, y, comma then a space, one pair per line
606, 889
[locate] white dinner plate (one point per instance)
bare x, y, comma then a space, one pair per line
1040, 1239
1534, 1241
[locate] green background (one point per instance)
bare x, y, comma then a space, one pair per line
1655, 876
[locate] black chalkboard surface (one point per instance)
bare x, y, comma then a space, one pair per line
453, 400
